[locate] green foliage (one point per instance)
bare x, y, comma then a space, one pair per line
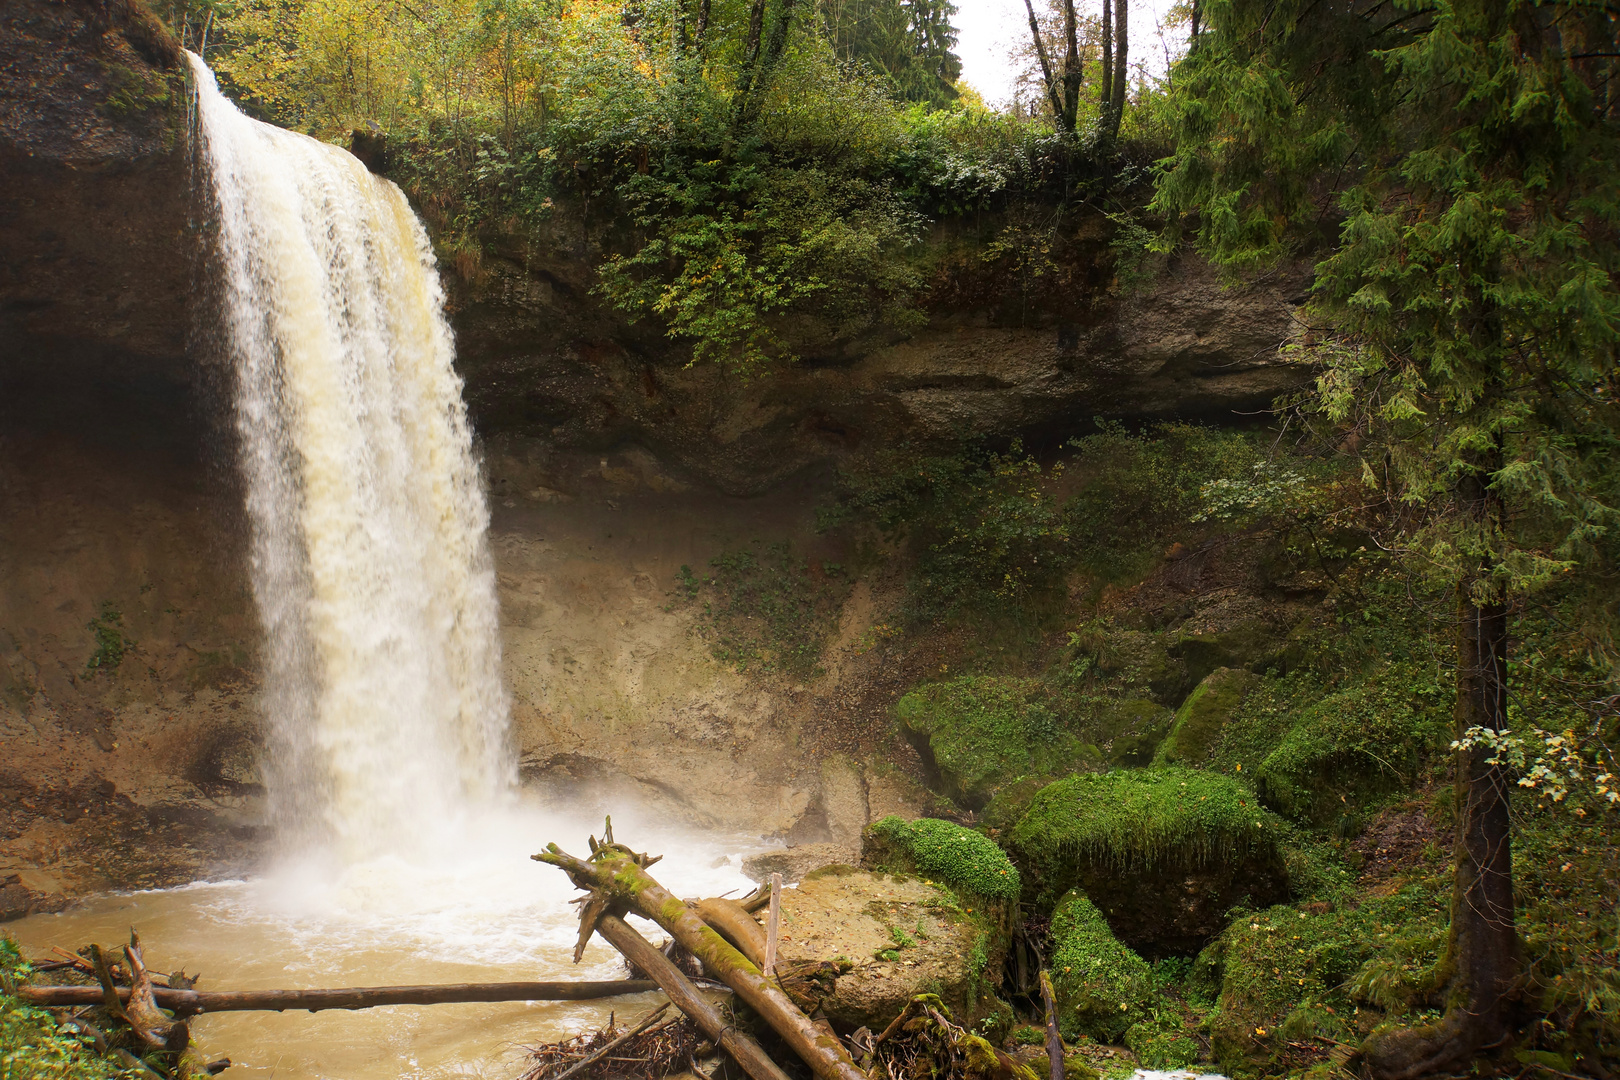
1102, 987
33, 1044
984, 732
1141, 491
965, 860
986, 533
764, 608
111, 642
1158, 1044
1466, 320
1025, 1035
910, 44
1144, 819
731, 246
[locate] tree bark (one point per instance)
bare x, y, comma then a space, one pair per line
732, 921
1054, 1040
191, 1002
645, 955
1482, 949
616, 877
1073, 70
1116, 83
1046, 65
1105, 89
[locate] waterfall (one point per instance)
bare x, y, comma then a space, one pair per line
370, 562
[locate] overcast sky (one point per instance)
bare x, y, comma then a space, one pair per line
989, 29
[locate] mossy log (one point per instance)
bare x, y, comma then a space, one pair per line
646, 956
617, 880
733, 922
192, 1002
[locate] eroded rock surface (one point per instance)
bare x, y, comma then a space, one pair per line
900, 936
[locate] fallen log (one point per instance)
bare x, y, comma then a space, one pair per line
1054, 1040
736, 925
617, 880
647, 956
192, 1002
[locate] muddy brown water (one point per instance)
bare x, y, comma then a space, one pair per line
467, 907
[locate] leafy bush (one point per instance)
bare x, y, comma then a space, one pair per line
1102, 987
965, 860
1140, 491
33, 1044
987, 534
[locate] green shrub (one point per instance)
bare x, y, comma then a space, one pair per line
966, 861
33, 1045
1102, 987
987, 535
985, 732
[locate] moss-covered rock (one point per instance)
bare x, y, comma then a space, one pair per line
1102, 986
1201, 718
983, 732
1161, 1047
1137, 661
968, 862
1129, 730
1164, 852
1352, 746
1254, 643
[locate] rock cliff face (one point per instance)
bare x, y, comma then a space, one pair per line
128, 640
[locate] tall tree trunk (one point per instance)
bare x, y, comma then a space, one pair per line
750, 60
1482, 949
1046, 65
1073, 71
1116, 84
1105, 91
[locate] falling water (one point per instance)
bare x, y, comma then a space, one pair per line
370, 563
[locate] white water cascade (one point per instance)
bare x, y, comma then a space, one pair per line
370, 563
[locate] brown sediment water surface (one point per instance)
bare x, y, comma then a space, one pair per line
466, 906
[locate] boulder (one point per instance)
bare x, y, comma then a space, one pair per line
1203, 716
1102, 986
1163, 853
892, 936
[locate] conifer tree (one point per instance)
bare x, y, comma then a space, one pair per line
1453, 166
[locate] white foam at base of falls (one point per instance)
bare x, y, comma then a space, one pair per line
386, 714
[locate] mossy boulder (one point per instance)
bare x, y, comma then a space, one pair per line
1139, 661
1202, 717
1353, 745
966, 861
1128, 730
980, 733
1161, 1047
1254, 643
1164, 853
1102, 986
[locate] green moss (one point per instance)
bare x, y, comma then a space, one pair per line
966, 861
1102, 987
1288, 975
1027, 1035
1252, 643
1352, 745
1144, 819
111, 642
1160, 1046
984, 732
1204, 714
